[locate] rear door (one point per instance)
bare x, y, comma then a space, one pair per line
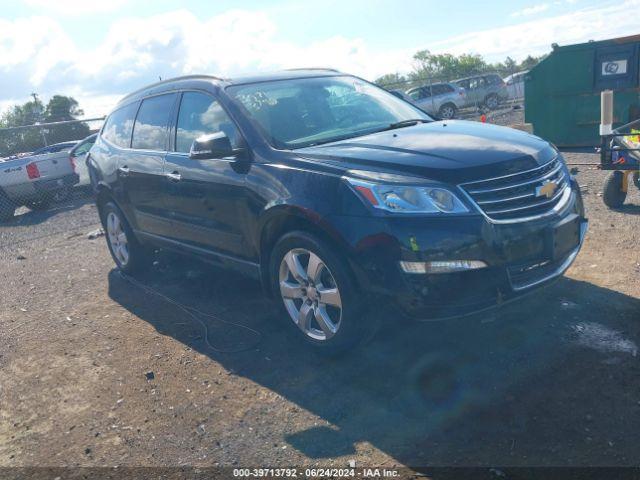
476, 91
144, 165
141, 168
79, 156
425, 100
207, 198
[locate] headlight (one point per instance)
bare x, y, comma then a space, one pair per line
409, 198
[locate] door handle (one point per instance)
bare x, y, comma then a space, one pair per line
174, 176
123, 170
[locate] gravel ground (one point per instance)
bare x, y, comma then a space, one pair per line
98, 371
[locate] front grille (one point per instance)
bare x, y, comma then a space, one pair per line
516, 196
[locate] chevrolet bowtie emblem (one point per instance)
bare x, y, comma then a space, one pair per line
547, 189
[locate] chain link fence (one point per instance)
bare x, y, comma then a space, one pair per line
478, 91
47, 191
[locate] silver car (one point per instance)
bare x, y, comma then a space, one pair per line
515, 85
487, 89
440, 99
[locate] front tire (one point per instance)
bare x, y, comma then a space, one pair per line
612, 195
127, 252
318, 296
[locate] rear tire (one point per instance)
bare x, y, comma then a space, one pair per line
39, 205
129, 255
492, 101
7, 208
61, 195
321, 303
612, 195
447, 111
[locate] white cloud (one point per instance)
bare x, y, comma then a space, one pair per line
75, 7
536, 36
36, 54
531, 10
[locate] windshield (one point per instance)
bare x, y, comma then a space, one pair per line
309, 111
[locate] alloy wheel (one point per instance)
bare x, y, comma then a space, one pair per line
447, 112
310, 294
117, 239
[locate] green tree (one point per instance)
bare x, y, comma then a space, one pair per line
24, 140
445, 66
510, 65
530, 62
391, 81
59, 108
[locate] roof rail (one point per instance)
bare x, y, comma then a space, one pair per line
312, 68
168, 80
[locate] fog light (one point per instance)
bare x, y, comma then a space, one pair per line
441, 267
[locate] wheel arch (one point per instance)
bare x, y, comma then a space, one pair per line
449, 103
284, 219
104, 194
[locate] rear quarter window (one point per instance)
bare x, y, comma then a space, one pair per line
442, 89
118, 127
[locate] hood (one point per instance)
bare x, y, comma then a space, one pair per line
452, 151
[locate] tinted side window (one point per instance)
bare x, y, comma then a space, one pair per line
493, 80
200, 114
441, 89
150, 129
416, 94
119, 125
84, 148
425, 92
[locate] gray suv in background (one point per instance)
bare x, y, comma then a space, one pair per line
440, 99
483, 90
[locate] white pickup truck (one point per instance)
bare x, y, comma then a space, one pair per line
35, 180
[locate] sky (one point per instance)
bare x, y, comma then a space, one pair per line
98, 51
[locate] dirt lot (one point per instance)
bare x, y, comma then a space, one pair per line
98, 371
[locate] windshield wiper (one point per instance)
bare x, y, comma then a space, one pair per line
407, 123
403, 123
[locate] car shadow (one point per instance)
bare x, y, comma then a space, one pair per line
548, 380
629, 209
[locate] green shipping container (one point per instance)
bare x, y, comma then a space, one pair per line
562, 92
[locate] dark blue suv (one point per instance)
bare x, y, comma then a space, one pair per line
335, 194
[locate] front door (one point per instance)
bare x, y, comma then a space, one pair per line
206, 198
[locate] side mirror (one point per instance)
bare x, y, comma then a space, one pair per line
214, 145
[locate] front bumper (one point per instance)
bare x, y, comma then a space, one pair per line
520, 257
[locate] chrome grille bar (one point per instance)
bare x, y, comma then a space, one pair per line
548, 176
538, 204
516, 197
